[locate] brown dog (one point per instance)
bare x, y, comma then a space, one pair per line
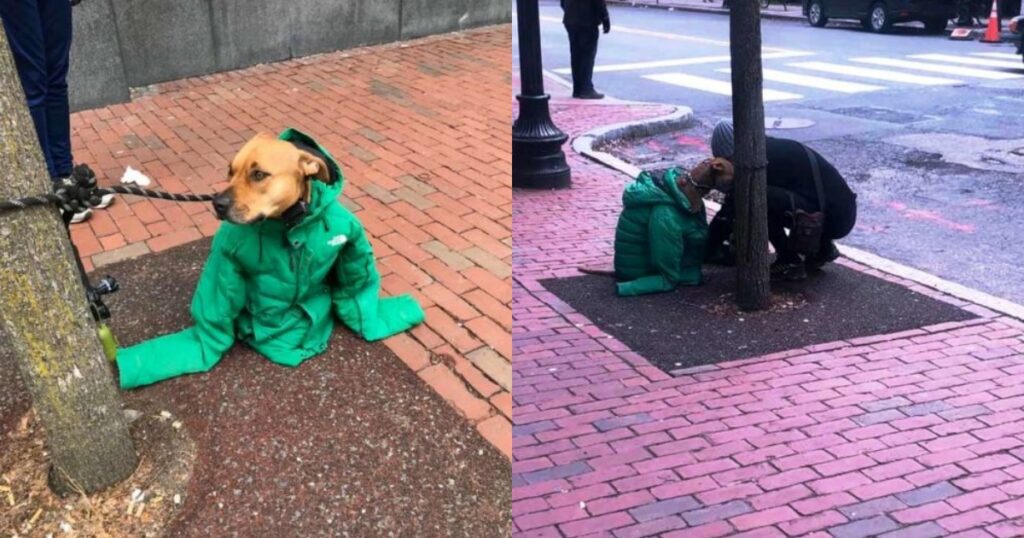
267, 177
716, 173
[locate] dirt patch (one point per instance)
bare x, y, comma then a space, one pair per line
142, 505
350, 443
725, 305
700, 325
684, 148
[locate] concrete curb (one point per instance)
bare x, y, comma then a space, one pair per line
586, 143
798, 16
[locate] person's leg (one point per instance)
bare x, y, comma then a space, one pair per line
589, 56
838, 224
781, 204
574, 56
719, 231
25, 34
56, 21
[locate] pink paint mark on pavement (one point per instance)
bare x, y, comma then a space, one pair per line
654, 145
919, 214
696, 142
898, 206
982, 203
930, 216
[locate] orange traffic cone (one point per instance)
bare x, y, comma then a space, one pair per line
992, 32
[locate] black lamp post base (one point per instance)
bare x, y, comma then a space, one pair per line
538, 161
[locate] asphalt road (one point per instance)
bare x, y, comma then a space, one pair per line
935, 160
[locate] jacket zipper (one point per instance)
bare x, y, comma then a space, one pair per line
298, 284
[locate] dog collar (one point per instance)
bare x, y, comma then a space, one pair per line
294, 214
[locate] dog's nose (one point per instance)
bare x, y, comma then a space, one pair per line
221, 204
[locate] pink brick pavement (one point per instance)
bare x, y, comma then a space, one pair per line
912, 434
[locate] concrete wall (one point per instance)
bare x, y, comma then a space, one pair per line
119, 44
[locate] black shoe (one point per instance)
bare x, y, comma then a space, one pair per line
829, 255
592, 94
789, 271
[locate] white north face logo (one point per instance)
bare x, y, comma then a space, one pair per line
337, 240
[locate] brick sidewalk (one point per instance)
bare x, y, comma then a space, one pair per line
912, 434
422, 131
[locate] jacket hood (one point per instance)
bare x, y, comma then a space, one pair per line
322, 194
651, 190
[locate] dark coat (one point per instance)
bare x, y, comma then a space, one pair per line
789, 169
584, 12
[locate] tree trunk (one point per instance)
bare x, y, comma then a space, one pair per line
753, 291
45, 320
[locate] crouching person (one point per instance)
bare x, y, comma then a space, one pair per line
806, 195
660, 236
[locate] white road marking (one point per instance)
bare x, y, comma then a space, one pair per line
667, 35
999, 55
879, 74
557, 79
956, 70
714, 86
657, 64
810, 81
976, 62
651, 33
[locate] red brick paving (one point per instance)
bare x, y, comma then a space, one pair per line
910, 434
422, 131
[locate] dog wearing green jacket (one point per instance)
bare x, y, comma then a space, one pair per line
285, 262
660, 235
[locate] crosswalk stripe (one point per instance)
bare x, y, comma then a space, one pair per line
879, 74
810, 81
939, 68
655, 64
977, 62
998, 55
715, 86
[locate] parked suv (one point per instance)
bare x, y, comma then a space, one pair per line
880, 15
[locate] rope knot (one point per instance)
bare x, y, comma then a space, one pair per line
79, 191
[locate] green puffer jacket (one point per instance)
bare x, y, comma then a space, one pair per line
276, 288
659, 240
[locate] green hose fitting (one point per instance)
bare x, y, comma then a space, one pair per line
109, 342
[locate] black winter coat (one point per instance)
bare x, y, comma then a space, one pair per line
584, 12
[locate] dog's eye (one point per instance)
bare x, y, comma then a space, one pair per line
258, 175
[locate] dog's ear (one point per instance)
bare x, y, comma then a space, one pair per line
717, 165
314, 166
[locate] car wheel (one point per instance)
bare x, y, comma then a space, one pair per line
878, 19
935, 26
816, 14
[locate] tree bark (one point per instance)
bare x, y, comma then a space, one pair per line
753, 290
45, 321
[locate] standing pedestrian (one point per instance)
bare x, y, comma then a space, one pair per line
581, 19
39, 34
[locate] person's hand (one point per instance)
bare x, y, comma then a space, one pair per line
607, 25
